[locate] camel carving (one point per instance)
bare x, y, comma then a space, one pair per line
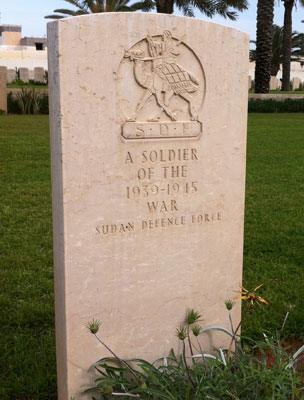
165, 79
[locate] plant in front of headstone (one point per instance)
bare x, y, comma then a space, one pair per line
27, 101
247, 369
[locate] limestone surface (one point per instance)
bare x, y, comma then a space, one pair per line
3, 91
24, 74
148, 124
39, 75
296, 83
11, 75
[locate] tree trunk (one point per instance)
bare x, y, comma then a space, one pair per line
274, 69
287, 33
265, 11
165, 6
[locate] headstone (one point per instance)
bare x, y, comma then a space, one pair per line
249, 82
148, 168
39, 75
31, 74
3, 91
11, 75
274, 83
24, 74
296, 83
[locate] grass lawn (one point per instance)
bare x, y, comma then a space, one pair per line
287, 92
273, 243
26, 86
280, 92
27, 359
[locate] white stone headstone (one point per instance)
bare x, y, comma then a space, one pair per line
3, 91
148, 170
39, 75
11, 75
274, 83
296, 83
249, 82
24, 74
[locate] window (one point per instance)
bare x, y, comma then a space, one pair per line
39, 46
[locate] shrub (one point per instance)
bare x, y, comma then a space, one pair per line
19, 83
246, 370
275, 106
27, 101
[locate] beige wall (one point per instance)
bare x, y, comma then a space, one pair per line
22, 57
11, 38
297, 71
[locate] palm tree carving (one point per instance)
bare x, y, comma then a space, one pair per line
166, 78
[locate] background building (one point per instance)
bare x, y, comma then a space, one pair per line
21, 52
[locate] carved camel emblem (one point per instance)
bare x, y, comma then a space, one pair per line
166, 78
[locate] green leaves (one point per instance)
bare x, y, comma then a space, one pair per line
192, 317
181, 332
94, 326
225, 8
82, 7
260, 370
255, 372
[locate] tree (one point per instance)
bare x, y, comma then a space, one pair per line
297, 51
265, 11
225, 8
287, 41
97, 6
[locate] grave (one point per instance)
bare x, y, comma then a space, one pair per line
148, 175
296, 83
39, 75
249, 82
3, 92
11, 75
274, 83
24, 74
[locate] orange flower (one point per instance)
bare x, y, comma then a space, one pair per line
252, 297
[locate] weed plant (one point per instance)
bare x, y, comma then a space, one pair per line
27, 101
246, 370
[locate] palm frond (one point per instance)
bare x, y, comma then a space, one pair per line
146, 5
54, 16
68, 12
81, 5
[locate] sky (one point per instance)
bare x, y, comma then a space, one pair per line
30, 14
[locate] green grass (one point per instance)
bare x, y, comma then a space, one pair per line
27, 358
287, 92
274, 222
27, 85
273, 243
280, 92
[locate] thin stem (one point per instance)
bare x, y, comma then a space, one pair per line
189, 340
231, 323
116, 356
233, 338
186, 365
284, 322
200, 347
